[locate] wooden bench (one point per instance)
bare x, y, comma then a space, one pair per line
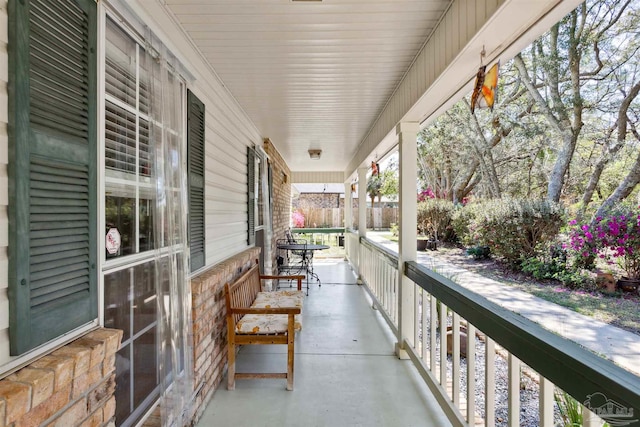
256, 317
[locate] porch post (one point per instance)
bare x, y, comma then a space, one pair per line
348, 224
348, 206
407, 141
362, 202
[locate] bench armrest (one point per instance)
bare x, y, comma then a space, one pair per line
278, 310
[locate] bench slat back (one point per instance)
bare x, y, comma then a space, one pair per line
242, 292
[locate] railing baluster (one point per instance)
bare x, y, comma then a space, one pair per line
471, 374
546, 402
514, 391
443, 345
417, 310
455, 356
432, 335
490, 383
425, 300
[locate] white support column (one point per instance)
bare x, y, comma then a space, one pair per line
348, 205
348, 221
407, 141
362, 202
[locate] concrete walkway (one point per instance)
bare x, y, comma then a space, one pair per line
620, 346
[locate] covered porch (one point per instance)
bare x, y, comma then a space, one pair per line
269, 93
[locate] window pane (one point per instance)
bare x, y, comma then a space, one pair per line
144, 80
145, 156
145, 376
123, 384
120, 139
120, 213
120, 71
117, 310
146, 225
144, 296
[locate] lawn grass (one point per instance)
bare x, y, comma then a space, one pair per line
621, 309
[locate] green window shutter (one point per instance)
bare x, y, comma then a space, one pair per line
195, 170
251, 196
52, 169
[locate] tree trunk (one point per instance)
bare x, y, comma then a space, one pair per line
609, 152
624, 189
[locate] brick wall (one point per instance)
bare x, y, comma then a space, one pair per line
73, 386
281, 196
210, 325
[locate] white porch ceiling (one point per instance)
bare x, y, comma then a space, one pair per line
311, 74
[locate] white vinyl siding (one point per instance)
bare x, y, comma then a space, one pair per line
4, 189
227, 134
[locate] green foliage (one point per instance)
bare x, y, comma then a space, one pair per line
374, 187
552, 264
479, 252
395, 230
461, 220
569, 408
512, 228
434, 219
389, 186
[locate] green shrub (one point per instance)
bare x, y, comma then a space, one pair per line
434, 219
479, 252
513, 229
460, 222
550, 267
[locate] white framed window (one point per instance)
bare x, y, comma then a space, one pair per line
136, 118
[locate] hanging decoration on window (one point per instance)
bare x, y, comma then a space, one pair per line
485, 90
353, 187
375, 168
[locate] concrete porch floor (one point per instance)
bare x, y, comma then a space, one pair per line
345, 371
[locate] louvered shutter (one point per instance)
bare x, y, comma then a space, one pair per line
52, 116
251, 196
195, 170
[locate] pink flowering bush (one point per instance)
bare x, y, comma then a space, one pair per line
614, 238
426, 195
298, 219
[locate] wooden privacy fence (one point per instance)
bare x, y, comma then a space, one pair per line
334, 217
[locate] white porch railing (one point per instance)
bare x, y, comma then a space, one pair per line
464, 346
379, 270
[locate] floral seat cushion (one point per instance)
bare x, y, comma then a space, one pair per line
265, 324
271, 323
279, 299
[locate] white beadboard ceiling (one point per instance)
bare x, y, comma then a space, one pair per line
310, 74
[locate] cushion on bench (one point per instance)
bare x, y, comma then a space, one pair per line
271, 323
279, 299
264, 324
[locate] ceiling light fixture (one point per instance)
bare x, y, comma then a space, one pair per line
315, 154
